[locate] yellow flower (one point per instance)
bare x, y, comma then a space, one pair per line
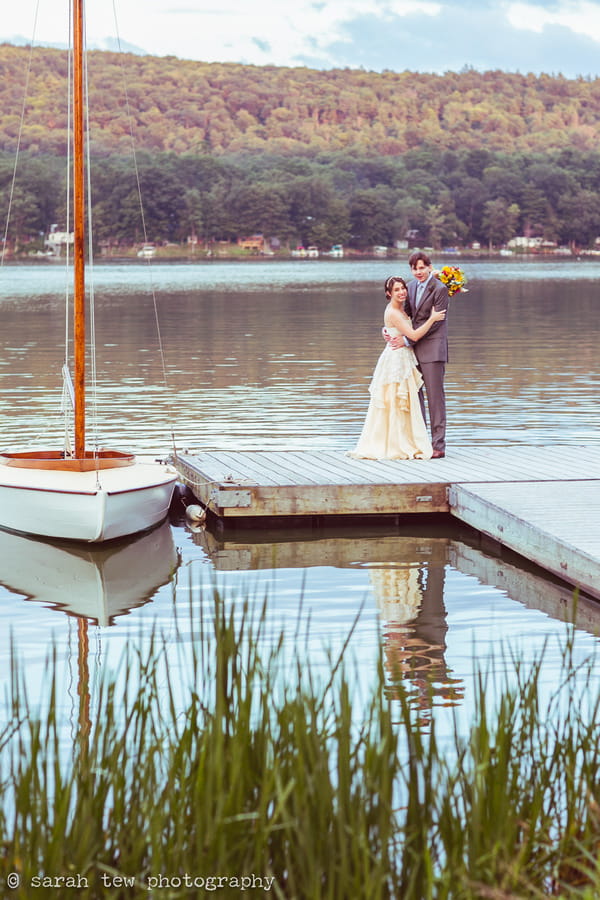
454, 279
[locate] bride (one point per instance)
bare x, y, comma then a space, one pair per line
394, 427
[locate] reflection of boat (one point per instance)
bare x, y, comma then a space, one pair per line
84, 494
94, 583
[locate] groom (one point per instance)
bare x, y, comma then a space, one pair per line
425, 292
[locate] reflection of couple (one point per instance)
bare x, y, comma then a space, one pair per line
415, 317
411, 602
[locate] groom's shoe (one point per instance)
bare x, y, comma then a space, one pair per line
438, 454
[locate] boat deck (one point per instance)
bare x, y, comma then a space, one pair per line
541, 502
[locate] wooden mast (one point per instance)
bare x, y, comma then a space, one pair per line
79, 228
83, 684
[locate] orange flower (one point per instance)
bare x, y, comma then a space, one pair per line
454, 279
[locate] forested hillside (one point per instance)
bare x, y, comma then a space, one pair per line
226, 108
304, 157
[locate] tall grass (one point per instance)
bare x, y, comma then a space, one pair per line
252, 774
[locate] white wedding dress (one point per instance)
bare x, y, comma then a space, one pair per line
394, 426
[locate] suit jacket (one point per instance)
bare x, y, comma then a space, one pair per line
434, 346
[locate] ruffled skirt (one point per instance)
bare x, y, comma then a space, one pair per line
394, 426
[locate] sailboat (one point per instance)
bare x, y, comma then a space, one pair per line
81, 494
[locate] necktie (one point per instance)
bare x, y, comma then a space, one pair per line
419, 296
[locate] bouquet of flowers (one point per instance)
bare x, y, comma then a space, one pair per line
454, 279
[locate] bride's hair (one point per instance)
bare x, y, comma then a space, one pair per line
390, 282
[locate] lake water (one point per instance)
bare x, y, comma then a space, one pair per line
279, 355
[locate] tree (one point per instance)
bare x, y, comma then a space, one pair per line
317, 215
372, 218
499, 221
469, 196
259, 209
580, 214
193, 218
154, 212
435, 219
332, 226
32, 200
24, 216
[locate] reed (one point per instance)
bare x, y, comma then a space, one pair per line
216, 760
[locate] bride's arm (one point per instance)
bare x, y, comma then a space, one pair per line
403, 325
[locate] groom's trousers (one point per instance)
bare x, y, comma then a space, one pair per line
433, 376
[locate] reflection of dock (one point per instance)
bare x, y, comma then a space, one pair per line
542, 502
341, 552
553, 597
247, 550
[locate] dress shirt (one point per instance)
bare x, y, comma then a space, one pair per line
420, 291
419, 294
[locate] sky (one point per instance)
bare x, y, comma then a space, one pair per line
416, 35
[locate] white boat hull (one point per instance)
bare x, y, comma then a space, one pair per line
90, 506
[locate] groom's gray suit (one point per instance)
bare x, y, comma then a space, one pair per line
432, 354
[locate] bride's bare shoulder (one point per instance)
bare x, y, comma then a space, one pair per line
387, 317
396, 317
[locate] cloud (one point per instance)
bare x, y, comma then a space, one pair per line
477, 35
266, 33
276, 33
418, 35
579, 17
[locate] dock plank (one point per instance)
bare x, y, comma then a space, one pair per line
256, 466
216, 468
314, 468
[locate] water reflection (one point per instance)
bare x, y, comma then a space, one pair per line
436, 604
95, 584
410, 598
445, 603
91, 585
406, 578
532, 587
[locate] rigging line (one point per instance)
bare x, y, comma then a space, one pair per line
70, 77
68, 399
19, 136
144, 230
92, 307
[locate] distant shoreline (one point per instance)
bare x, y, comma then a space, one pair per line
171, 256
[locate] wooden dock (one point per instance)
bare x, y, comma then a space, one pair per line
541, 502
